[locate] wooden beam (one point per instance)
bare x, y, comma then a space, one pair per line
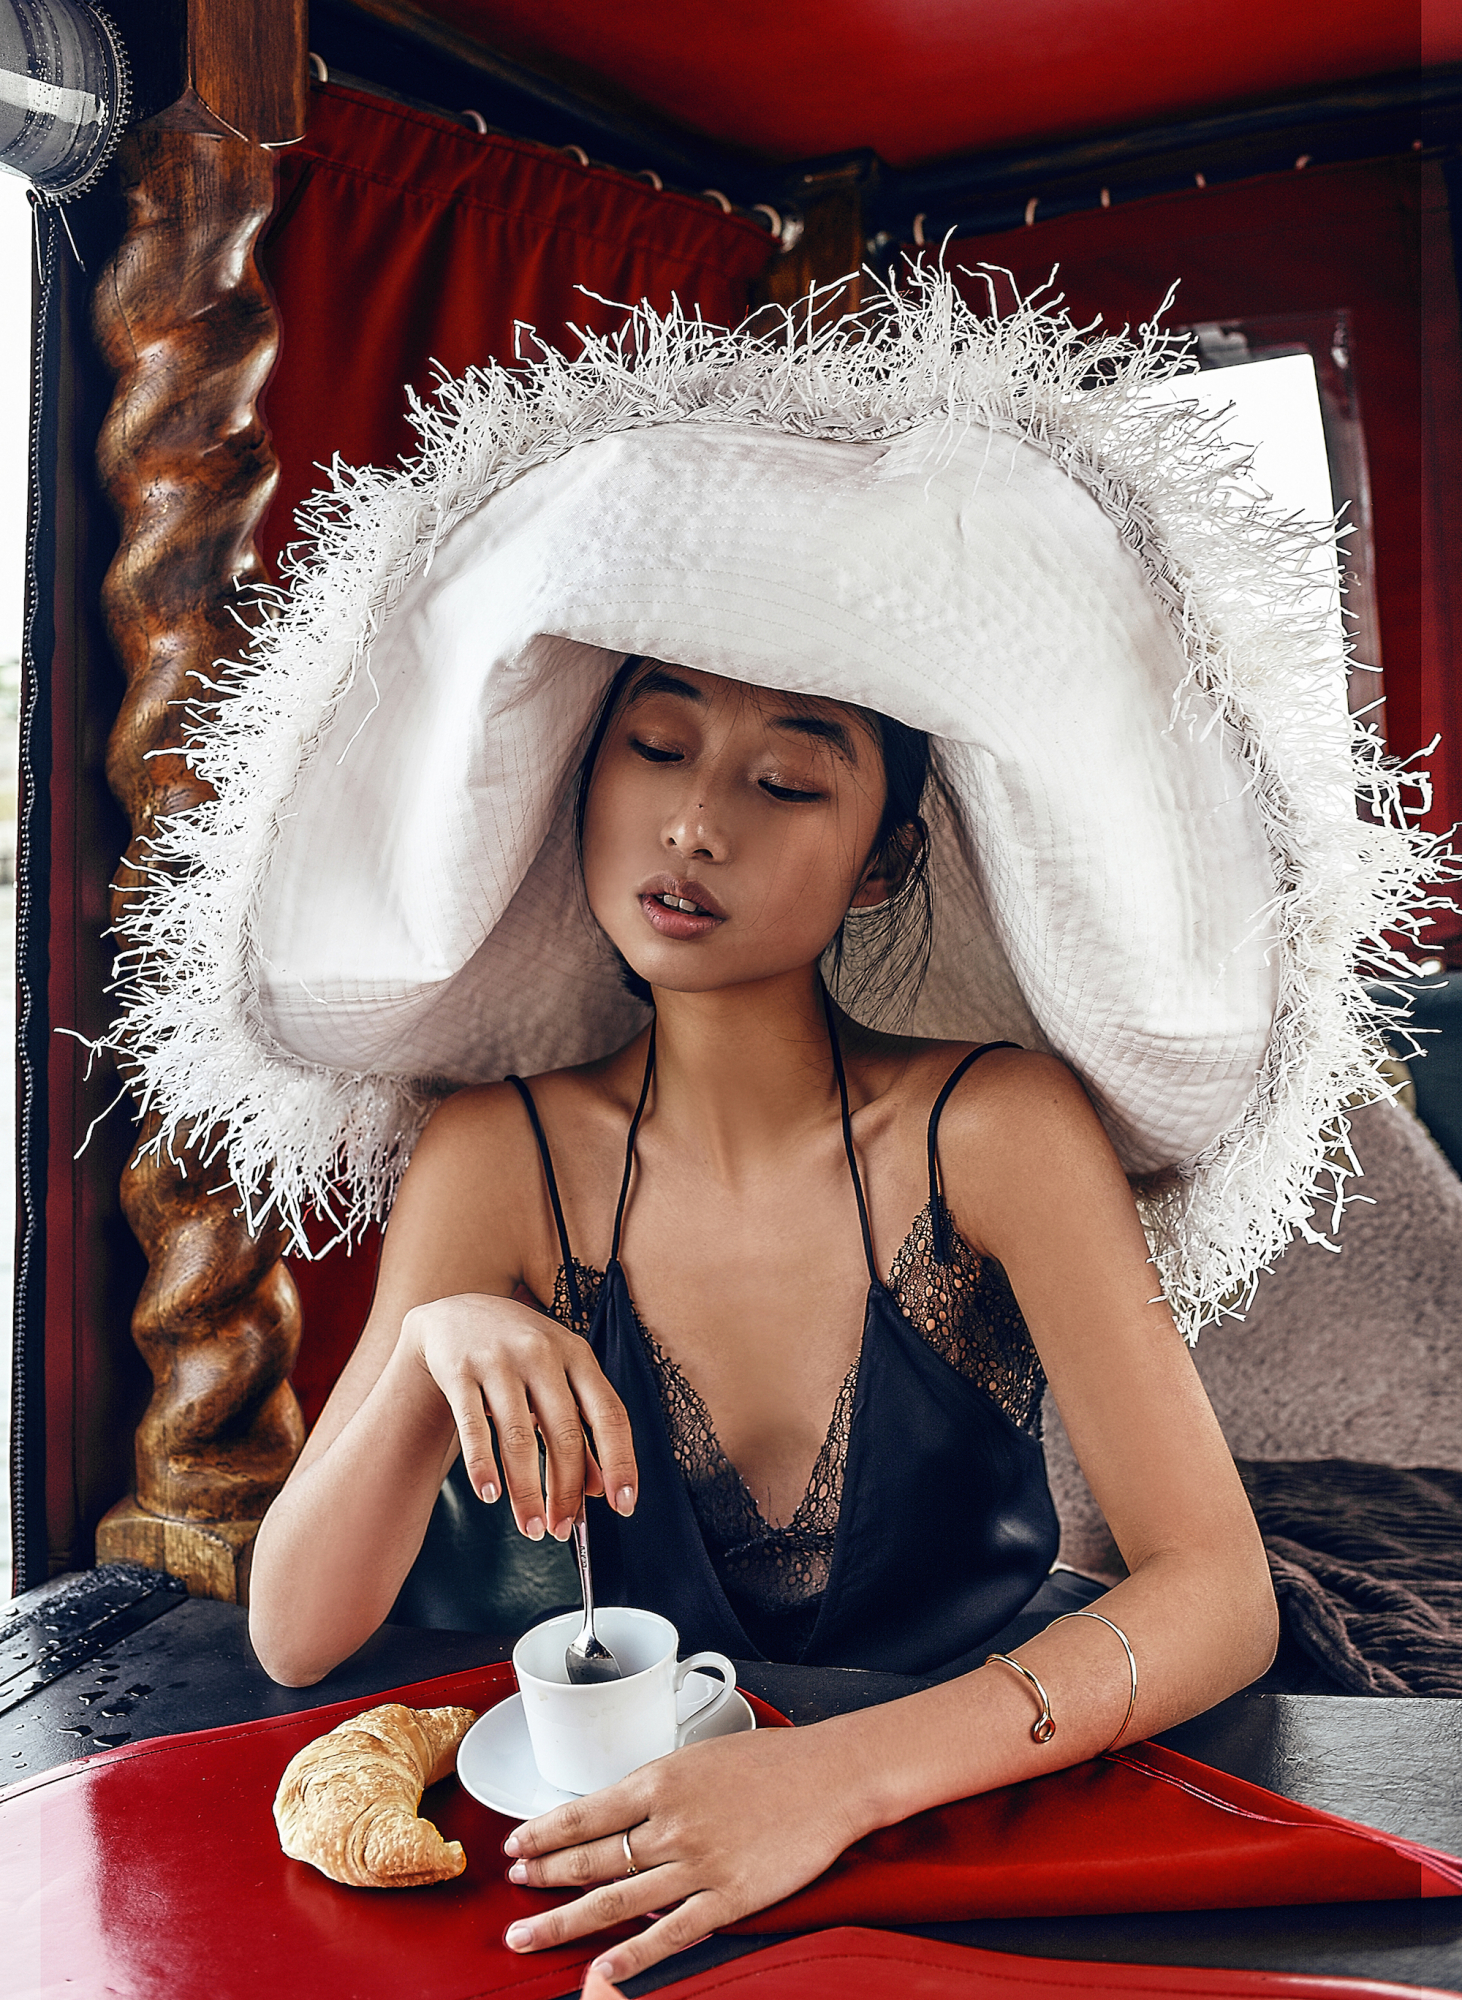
248, 62
185, 321
829, 249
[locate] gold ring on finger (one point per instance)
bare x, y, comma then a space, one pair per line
629, 1860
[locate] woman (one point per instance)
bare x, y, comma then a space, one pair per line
824, 1267
726, 835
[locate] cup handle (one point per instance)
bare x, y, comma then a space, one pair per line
713, 1702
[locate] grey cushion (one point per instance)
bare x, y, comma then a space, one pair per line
1350, 1354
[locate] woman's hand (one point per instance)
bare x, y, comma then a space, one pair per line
717, 1830
493, 1358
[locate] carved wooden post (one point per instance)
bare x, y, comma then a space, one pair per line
186, 323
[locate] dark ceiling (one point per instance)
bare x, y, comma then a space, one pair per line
922, 80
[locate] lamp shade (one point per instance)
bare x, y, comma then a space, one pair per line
65, 93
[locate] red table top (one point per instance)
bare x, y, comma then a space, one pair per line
153, 1872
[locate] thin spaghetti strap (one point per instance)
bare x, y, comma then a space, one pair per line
832, 1032
565, 1250
936, 1206
629, 1144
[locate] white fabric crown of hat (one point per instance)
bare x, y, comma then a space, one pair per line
1146, 850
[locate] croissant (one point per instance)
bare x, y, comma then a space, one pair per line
347, 1802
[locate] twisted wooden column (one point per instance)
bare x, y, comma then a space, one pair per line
186, 324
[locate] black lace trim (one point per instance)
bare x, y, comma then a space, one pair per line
591, 1284
776, 1568
968, 1314
964, 1309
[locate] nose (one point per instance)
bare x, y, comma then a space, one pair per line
696, 831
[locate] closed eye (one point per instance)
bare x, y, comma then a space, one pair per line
654, 754
787, 795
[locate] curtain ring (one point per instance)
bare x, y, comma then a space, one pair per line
649, 174
715, 194
319, 68
919, 236
576, 153
475, 119
773, 218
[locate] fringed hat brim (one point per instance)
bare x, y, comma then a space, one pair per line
1147, 855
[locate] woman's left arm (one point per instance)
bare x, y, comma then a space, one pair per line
725, 1828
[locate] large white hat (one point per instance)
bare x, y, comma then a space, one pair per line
1147, 855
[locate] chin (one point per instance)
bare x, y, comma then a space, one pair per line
689, 967
682, 979
720, 979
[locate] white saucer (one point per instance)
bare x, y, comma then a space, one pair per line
495, 1757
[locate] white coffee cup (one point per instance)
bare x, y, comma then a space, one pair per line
587, 1737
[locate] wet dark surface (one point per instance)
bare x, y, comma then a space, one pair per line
195, 1669
1392, 1764
68, 1623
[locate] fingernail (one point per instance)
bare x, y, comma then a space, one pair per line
534, 1529
626, 1499
604, 1967
510, 1845
562, 1532
489, 1492
519, 1937
518, 1872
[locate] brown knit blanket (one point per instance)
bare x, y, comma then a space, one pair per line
1367, 1567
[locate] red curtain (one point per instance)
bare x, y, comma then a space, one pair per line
403, 242
1373, 238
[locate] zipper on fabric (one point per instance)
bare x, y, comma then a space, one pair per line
28, 1539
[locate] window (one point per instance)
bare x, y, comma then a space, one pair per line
1290, 381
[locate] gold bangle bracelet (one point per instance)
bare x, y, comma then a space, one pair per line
1044, 1726
1131, 1666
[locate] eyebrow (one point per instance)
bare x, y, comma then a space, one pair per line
658, 681
823, 730
820, 728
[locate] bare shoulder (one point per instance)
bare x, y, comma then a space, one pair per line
462, 1217
1013, 1105
1012, 1089
1005, 1088
1019, 1139
481, 1131
481, 1137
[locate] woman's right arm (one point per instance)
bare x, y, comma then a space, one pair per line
445, 1345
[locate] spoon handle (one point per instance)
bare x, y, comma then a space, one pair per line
586, 1582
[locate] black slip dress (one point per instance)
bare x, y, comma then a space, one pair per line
946, 1530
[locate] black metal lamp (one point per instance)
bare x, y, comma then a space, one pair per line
65, 94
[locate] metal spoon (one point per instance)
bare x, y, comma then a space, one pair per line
587, 1659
